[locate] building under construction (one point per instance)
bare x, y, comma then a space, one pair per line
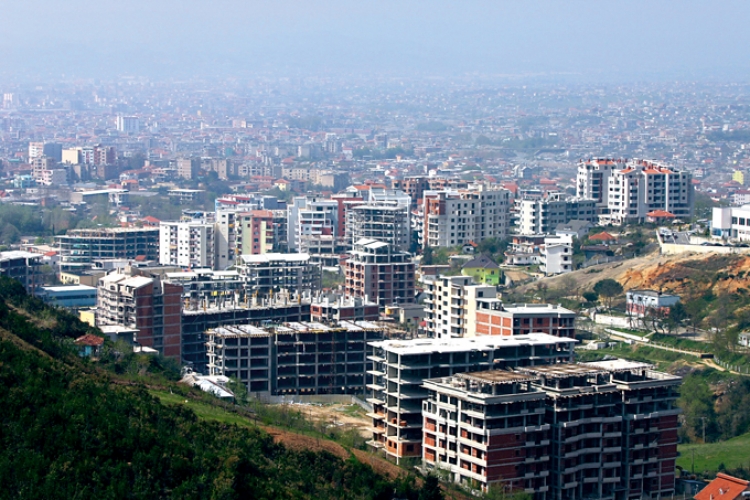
294, 358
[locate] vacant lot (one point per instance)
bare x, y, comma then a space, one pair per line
733, 453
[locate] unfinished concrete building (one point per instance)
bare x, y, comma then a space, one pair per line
605, 430
294, 359
400, 368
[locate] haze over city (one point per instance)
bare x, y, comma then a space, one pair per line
610, 41
413, 250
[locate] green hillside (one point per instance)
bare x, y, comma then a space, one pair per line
69, 432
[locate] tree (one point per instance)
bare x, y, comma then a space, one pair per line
608, 289
431, 489
427, 256
590, 296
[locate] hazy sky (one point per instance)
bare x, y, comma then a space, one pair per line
179, 38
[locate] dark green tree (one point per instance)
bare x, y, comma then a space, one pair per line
608, 289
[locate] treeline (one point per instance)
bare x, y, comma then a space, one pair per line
69, 432
20, 220
718, 407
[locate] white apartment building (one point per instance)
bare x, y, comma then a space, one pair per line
451, 305
314, 225
543, 215
631, 190
557, 255
731, 223
187, 244
128, 124
457, 217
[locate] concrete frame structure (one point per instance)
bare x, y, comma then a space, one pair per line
495, 318
387, 222
401, 366
295, 358
79, 248
25, 267
603, 430
270, 273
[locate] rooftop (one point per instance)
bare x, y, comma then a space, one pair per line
420, 346
563, 370
495, 377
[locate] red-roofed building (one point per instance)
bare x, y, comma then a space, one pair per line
724, 487
657, 216
603, 237
89, 345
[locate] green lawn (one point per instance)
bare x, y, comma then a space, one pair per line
733, 453
203, 410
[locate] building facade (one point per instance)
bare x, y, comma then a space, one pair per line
25, 267
457, 217
270, 273
187, 244
542, 216
603, 430
294, 359
79, 248
149, 305
376, 271
627, 191
400, 368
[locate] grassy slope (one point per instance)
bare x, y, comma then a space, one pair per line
733, 453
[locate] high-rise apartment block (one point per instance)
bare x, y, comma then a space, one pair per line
187, 244
386, 222
295, 358
128, 124
632, 190
188, 168
269, 273
400, 368
379, 272
455, 306
25, 267
79, 248
147, 304
543, 215
453, 218
564, 431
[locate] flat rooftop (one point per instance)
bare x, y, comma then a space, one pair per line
563, 370
485, 343
496, 377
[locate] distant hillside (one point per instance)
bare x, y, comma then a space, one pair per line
69, 432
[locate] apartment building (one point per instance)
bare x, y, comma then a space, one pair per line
457, 217
79, 248
381, 221
603, 430
25, 267
294, 358
376, 271
495, 318
557, 255
451, 305
488, 428
147, 304
270, 273
187, 244
210, 314
188, 168
415, 187
631, 190
542, 216
400, 368
455, 306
